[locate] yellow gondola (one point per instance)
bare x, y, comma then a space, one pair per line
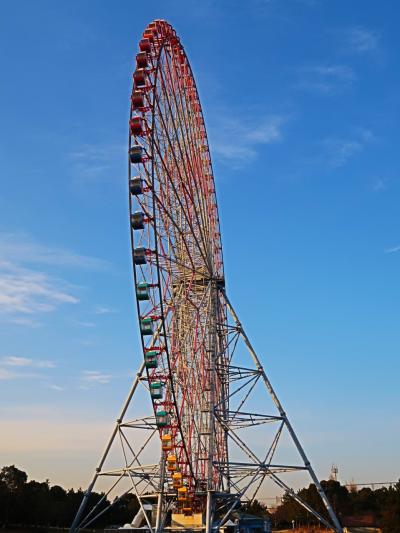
166, 443
182, 493
176, 480
171, 463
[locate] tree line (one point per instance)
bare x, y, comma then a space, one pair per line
33, 503
380, 507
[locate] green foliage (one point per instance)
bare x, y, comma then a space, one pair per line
30, 503
255, 508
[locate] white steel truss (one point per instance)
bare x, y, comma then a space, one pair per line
254, 439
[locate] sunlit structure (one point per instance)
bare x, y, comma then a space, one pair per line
213, 424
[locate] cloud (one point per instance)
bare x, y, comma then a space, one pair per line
342, 150
92, 161
338, 151
362, 40
96, 152
237, 140
24, 291
326, 79
333, 71
366, 135
26, 288
56, 388
20, 248
102, 310
23, 321
268, 131
380, 184
88, 342
6, 374
13, 367
95, 376
25, 362
392, 250
358, 40
86, 324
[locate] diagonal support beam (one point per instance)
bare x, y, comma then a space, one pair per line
75, 523
268, 385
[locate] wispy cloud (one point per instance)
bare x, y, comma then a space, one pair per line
103, 310
20, 248
326, 79
96, 152
13, 367
392, 250
380, 184
15, 361
341, 150
84, 324
366, 135
88, 342
358, 40
95, 377
24, 291
56, 387
26, 287
362, 39
338, 151
23, 321
6, 374
237, 140
94, 161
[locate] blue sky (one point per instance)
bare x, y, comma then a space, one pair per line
301, 104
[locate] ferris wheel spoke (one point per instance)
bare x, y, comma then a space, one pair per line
179, 198
198, 205
182, 109
179, 201
190, 217
186, 158
167, 213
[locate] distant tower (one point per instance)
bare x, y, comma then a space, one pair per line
334, 472
352, 486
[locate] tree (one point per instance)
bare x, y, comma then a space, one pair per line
33, 503
12, 481
390, 517
13, 478
290, 510
256, 508
338, 496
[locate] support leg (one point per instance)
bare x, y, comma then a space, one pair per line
209, 513
307, 464
75, 524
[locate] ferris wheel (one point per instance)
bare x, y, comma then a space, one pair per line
204, 383
177, 258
